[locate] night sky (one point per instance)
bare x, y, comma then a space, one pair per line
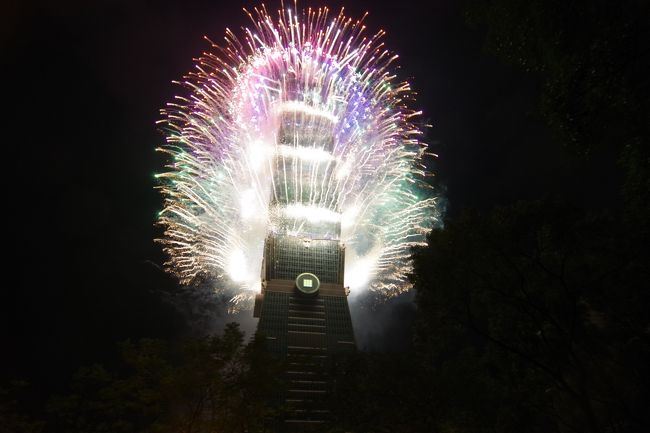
83, 84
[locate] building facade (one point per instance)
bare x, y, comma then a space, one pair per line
303, 308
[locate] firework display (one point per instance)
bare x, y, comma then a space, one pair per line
297, 126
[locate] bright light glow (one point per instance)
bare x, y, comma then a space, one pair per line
304, 153
258, 153
237, 171
344, 169
237, 266
349, 217
359, 269
301, 107
247, 203
311, 213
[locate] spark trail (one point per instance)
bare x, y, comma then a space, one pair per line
354, 157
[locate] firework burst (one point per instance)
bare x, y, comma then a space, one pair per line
353, 159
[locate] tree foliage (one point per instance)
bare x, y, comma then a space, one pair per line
592, 58
545, 311
13, 416
380, 393
213, 384
531, 317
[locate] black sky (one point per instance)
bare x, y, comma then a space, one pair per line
83, 84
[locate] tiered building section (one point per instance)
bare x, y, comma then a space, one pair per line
303, 308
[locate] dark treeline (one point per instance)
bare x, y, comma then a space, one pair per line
212, 384
531, 317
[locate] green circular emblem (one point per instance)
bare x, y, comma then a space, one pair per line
307, 283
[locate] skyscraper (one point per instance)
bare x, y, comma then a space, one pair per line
295, 149
303, 308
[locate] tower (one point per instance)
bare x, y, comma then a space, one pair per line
294, 148
303, 309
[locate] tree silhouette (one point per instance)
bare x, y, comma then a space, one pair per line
211, 384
